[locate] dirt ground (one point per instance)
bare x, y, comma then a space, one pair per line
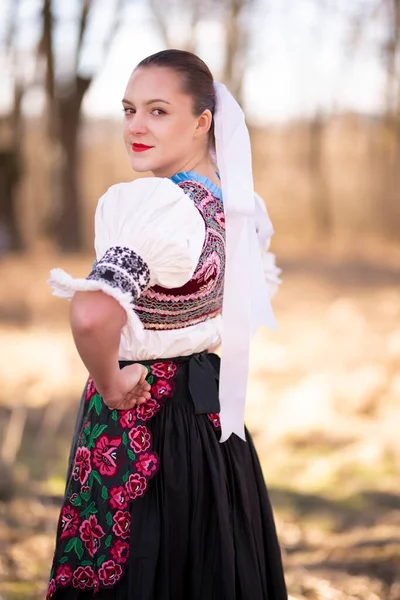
323, 406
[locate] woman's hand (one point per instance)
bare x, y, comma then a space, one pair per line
129, 389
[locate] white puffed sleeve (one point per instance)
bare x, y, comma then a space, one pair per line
147, 232
265, 231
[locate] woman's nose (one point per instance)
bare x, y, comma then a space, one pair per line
137, 124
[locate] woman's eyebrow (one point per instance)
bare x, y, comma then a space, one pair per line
148, 101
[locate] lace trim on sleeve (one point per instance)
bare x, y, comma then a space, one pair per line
120, 273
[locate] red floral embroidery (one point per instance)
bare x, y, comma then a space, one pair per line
69, 522
73, 497
51, 589
140, 438
127, 418
110, 573
136, 486
82, 466
85, 489
120, 551
148, 409
161, 389
164, 369
122, 524
91, 533
147, 463
84, 578
64, 575
90, 390
214, 418
104, 455
118, 498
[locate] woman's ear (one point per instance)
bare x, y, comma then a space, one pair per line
204, 122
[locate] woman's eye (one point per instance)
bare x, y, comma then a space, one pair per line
158, 112
128, 111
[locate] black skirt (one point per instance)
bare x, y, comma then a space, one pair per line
156, 508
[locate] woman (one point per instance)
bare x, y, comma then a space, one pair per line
156, 506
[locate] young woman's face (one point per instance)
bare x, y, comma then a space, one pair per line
161, 133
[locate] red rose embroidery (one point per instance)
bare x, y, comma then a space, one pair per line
85, 489
104, 455
64, 575
118, 498
166, 370
147, 410
69, 522
122, 524
84, 578
140, 438
120, 552
147, 463
162, 389
91, 534
82, 466
136, 485
127, 418
214, 418
110, 573
90, 390
72, 498
51, 589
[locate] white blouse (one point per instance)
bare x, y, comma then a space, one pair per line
160, 223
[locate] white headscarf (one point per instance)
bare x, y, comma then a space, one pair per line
246, 303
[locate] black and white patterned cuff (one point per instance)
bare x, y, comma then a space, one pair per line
120, 267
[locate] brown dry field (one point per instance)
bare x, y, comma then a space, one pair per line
323, 406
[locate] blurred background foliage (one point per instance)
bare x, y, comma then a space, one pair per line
320, 83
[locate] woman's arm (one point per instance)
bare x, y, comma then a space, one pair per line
96, 322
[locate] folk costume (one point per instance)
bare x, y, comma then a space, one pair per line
167, 501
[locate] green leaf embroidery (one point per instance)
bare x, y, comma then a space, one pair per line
101, 559
79, 548
77, 501
124, 439
108, 541
125, 477
104, 493
84, 439
94, 431
114, 415
86, 563
131, 455
150, 379
98, 403
100, 431
109, 519
92, 403
63, 559
87, 428
85, 496
97, 477
70, 545
89, 510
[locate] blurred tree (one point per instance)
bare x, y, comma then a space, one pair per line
65, 92
386, 14
320, 204
235, 15
11, 151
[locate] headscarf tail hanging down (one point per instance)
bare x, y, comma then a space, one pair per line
246, 303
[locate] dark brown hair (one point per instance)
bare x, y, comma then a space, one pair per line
197, 79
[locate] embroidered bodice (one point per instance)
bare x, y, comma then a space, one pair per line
200, 298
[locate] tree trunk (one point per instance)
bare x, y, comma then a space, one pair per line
69, 229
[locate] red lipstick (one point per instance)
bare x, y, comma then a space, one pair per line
140, 147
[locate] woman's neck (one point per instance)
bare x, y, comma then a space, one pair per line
202, 166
